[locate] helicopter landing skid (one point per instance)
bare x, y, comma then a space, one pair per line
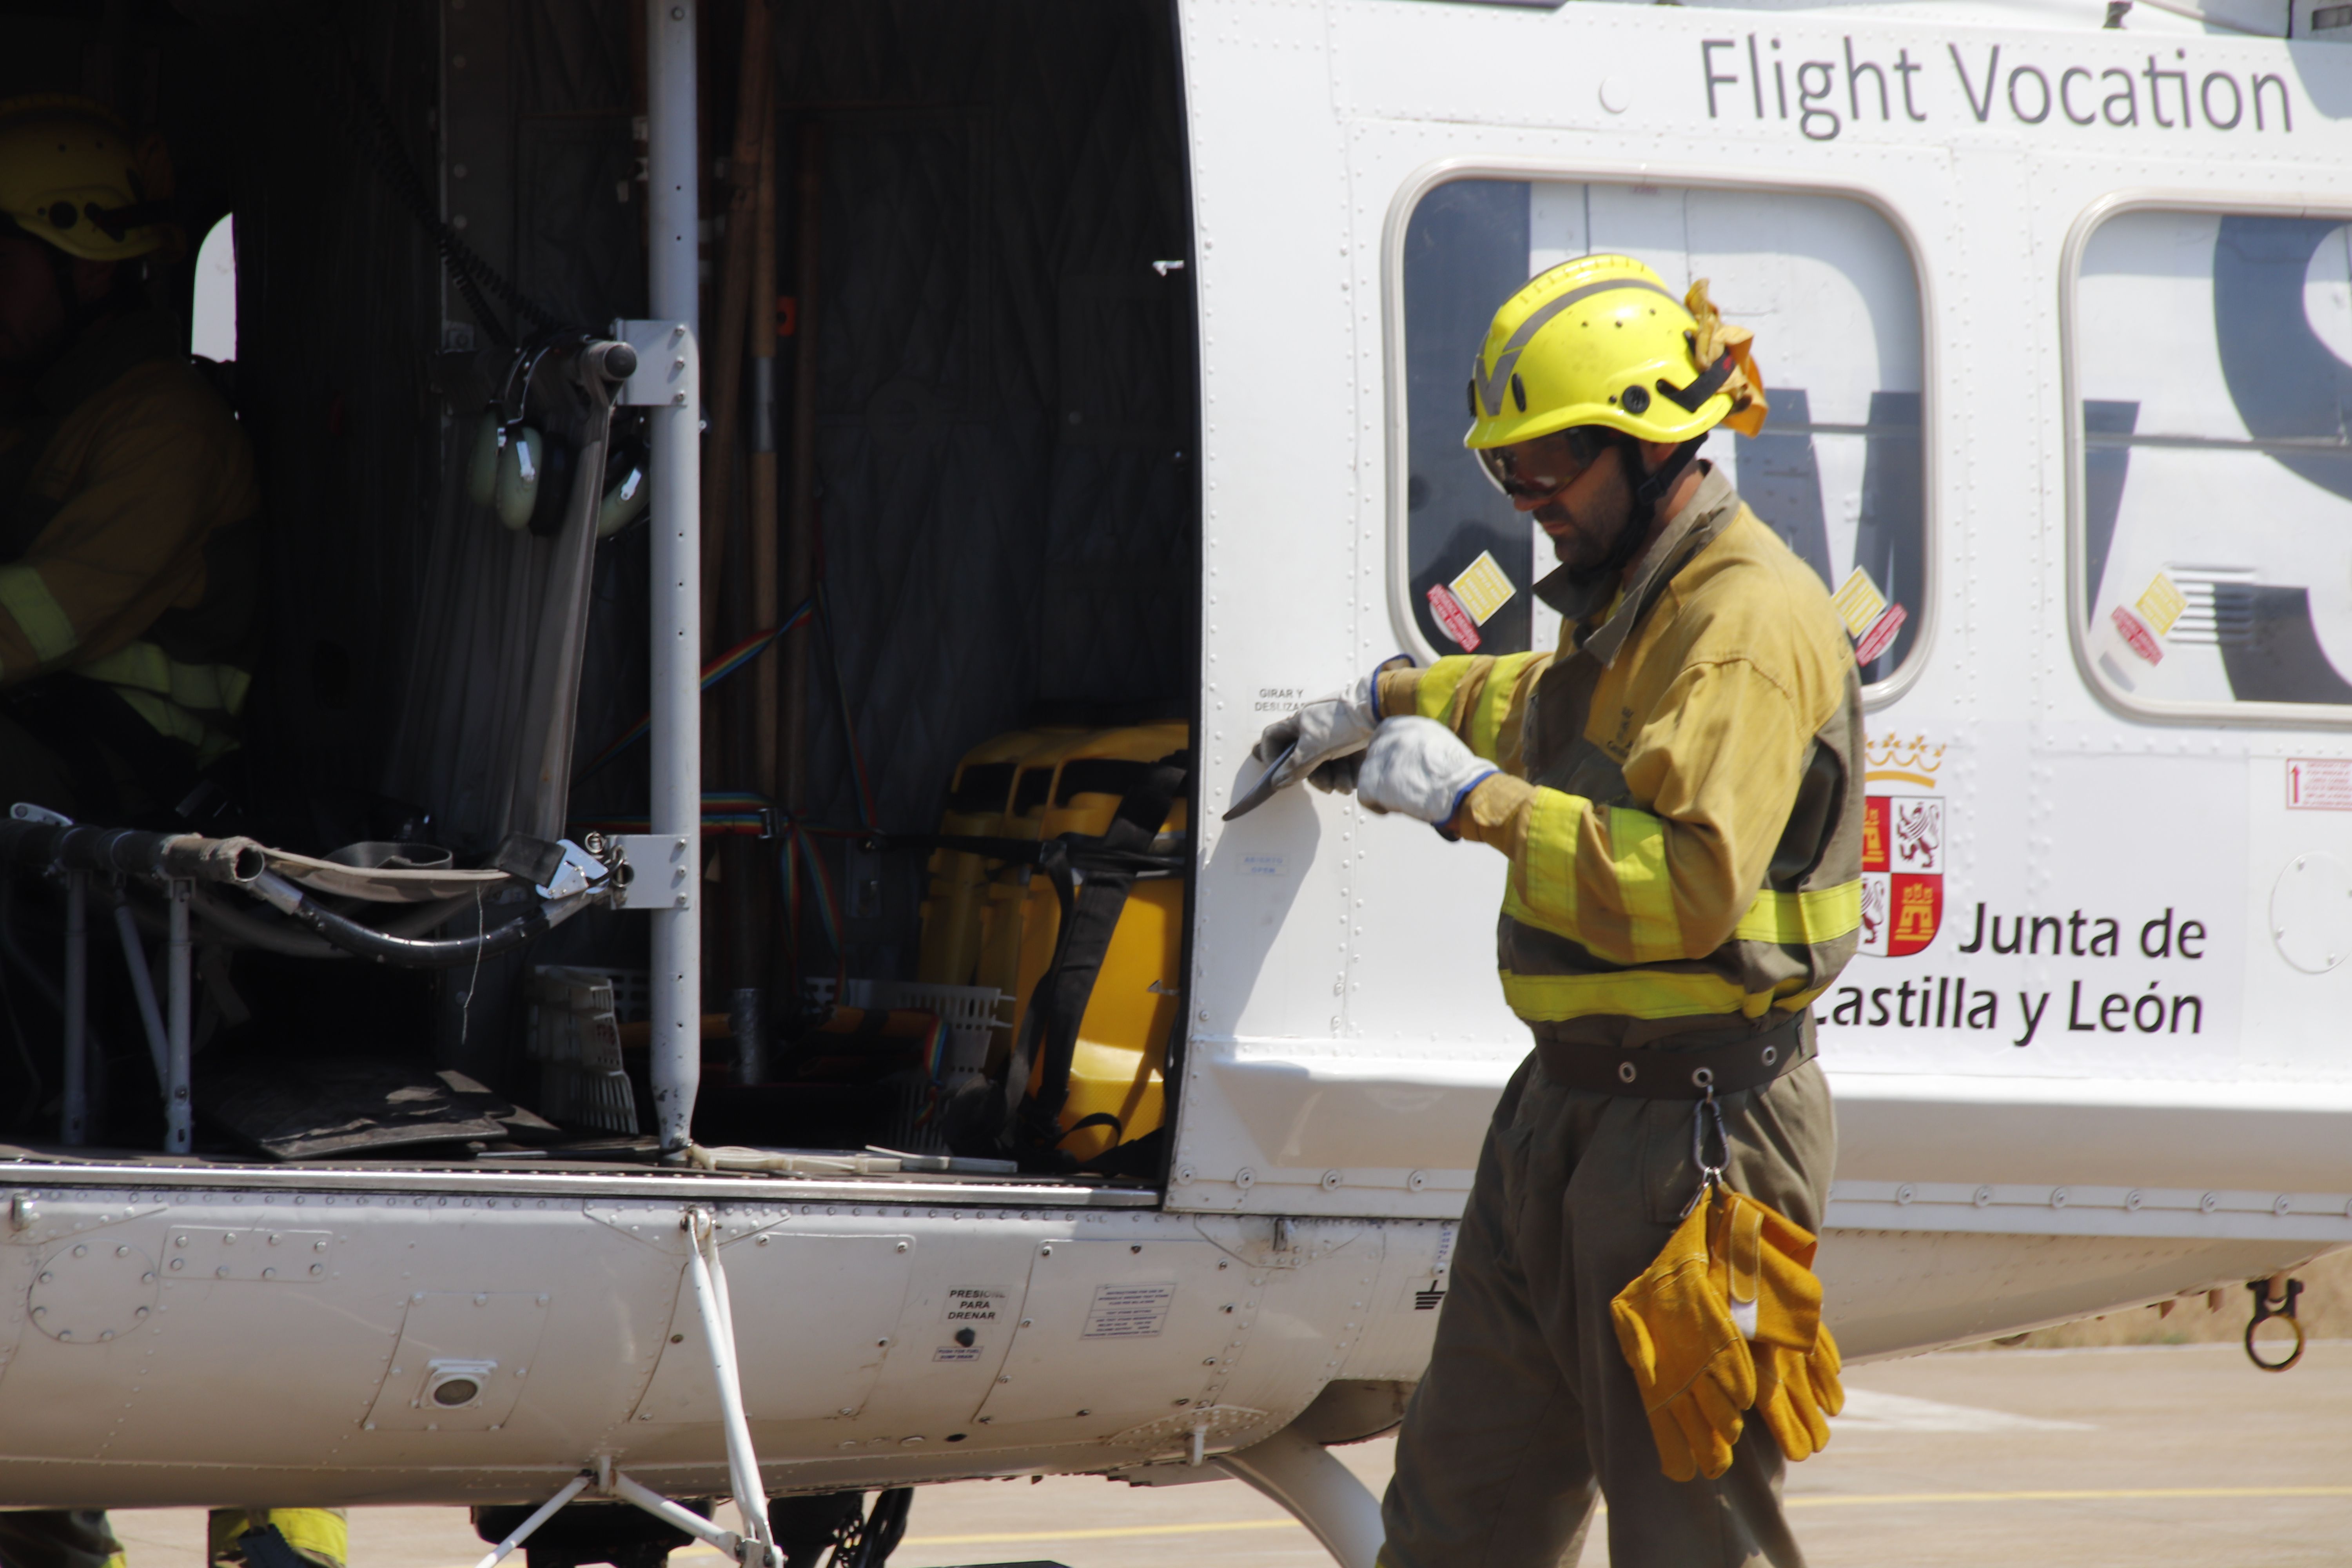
708, 1277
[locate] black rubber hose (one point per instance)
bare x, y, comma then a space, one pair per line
417, 952
254, 930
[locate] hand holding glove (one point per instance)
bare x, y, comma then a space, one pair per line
1326, 731
1421, 769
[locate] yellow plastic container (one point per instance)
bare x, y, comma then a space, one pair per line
986, 923
955, 914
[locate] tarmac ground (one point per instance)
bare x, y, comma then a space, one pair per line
2066, 1458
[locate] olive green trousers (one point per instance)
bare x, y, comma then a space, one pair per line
1527, 1410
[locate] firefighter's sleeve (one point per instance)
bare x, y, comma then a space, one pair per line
1483, 700
117, 553
1720, 766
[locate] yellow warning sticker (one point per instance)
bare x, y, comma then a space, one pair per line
1858, 602
2162, 604
1482, 589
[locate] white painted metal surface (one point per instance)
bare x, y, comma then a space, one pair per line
881, 1342
2025, 1153
1348, 1040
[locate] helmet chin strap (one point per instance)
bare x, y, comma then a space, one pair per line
1648, 491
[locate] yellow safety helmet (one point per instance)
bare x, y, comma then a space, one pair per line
1601, 340
72, 175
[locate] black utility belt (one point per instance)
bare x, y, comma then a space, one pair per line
1664, 1072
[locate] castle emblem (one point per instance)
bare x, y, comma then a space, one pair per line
1903, 845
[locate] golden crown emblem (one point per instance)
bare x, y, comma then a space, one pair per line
1891, 752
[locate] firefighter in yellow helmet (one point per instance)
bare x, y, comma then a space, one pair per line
129, 511
128, 571
1678, 795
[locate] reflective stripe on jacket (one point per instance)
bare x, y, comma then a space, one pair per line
131, 539
1682, 796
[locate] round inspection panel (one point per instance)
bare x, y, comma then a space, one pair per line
92, 1291
2311, 913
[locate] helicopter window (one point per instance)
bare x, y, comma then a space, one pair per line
1829, 289
211, 333
2211, 356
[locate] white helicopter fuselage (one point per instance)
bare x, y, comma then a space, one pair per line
2092, 1056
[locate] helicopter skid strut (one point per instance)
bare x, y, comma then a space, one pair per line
708, 1277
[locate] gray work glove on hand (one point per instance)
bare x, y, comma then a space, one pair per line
1330, 730
1421, 769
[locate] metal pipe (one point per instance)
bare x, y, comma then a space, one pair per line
179, 1119
122, 852
800, 530
766, 587
671, 164
709, 1276
73, 1120
142, 988
670, 1513
738, 294
545, 1511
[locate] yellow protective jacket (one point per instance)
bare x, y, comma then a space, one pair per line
1681, 799
129, 539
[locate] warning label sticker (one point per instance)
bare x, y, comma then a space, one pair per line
1858, 602
2136, 634
1483, 588
1453, 619
1881, 635
2162, 604
956, 1352
1128, 1311
2319, 783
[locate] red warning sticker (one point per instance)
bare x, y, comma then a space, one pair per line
1881, 635
2135, 632
1454, 619
2319, 783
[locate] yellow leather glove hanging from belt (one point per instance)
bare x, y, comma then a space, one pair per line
1728, 1319
1690, 1360
1762, 1261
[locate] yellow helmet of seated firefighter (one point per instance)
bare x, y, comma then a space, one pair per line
1602, 340
73, 176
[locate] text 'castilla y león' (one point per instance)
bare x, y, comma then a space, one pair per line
1950, 1002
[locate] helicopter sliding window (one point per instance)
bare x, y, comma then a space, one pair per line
2211, 361
1830, 290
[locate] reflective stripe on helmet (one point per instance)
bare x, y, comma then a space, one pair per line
1487, 385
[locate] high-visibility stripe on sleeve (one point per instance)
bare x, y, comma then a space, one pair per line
1484, 725
44, 622
1802, 919
1545, 886
207, 688
1637, 843
1434, 695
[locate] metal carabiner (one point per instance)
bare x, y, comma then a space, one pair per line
1709, 1176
